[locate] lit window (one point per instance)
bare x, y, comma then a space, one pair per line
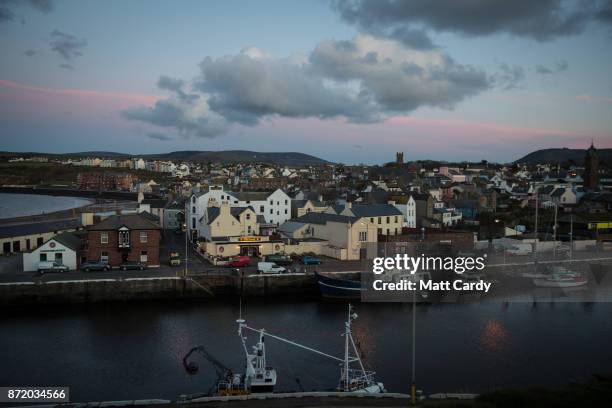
104, 237
143, 237
363, 236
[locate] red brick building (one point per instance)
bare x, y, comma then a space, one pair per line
120, 238
105, 181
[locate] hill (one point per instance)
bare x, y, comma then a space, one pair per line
555, 156
224, 156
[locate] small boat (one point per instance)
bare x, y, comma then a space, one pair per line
337, 288
561, 277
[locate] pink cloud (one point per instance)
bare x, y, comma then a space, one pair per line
591, 98
143, 99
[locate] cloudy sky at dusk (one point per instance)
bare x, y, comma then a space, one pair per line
350, 81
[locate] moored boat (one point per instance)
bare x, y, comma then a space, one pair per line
337, 288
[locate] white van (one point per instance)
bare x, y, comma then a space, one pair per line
269, 267
51, 266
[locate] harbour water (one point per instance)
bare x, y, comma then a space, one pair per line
134, 350
20, 205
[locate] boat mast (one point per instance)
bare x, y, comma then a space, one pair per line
347, 333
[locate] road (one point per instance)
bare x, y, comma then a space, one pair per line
11, 267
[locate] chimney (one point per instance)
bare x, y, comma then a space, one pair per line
349, 205
224, 209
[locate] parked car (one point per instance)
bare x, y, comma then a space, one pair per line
519, 250
279, 259
95, 266
175, 259
310, 260
51, 266
269, 267
240, 261
132, 265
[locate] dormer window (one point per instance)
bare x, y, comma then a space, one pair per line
124, 237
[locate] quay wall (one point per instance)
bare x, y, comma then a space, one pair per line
193, 287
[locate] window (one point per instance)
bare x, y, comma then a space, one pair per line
39, 241
388, 219
193, 199
193, 210
144, 256
104, 257
363, 236
249, 229
43, 257
285, 211
372, 220
379, 231
388, 233
271, 211
380, 220
124, 238
286, 202
59, 258
193, 223
104, 237
271, 202
261, 209
143, 237
395, 219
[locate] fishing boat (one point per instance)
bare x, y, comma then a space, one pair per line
354, 378
561, 277
337, 288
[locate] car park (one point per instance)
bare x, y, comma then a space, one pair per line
95, 266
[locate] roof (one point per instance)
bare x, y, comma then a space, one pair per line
19, 230
131, 221
155, 202
252, 195
374, 210
324, 218
291, 226
213, 212
70, 240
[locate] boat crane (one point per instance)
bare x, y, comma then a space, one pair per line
357, 380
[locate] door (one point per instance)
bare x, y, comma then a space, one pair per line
16, 246
59, 258
6, 248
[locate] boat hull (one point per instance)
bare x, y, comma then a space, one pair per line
336, 288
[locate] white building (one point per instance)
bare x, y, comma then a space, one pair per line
62, 248
274, 206
407, 206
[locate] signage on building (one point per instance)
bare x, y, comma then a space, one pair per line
249, 239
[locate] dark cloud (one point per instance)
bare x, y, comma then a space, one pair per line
604, 14
176, 114
560, 66
42, 5
159, 136
67, 46
6, 14
541, 20
7, 8
363, 80
176, 86
508, 76
29, 53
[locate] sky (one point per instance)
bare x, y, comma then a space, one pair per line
349, 81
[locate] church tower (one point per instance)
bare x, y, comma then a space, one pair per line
399, 158
591, 168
